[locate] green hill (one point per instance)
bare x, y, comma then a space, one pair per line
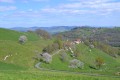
88, 56
19, 54
17, 60
6, 34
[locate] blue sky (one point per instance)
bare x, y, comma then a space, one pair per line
45, 13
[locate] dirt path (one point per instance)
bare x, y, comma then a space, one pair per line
57, 52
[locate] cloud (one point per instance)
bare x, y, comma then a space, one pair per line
7, 8
85, 7
7, 1
26, 14
66, 11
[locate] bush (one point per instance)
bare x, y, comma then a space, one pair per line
22, 39
76, 64
46, 57
99, 62
63, 57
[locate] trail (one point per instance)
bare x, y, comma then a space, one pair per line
57, 52
39, 63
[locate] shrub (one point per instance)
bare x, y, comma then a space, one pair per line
91, 46
46, 57
76, 64
22, 39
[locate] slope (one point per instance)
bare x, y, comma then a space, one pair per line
15, 53
88, 56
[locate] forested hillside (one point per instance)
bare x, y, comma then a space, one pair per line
106, 35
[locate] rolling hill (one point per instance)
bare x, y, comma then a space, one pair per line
19, 65
21, 55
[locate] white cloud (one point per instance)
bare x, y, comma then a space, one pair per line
26, 14
7, 8
66, 11
7, 1
86, 6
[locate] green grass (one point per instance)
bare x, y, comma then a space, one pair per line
47, 75
57, 64
21, 54
7, 66
6, 34
89, 57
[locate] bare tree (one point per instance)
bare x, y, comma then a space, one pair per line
22, 39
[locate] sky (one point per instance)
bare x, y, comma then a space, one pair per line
46, 13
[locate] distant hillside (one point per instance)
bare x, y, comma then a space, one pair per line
106, 35
52, 30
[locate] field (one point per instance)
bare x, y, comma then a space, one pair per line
47, 75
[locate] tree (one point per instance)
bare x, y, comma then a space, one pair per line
60, 37
99, 62
59, 42
76, 52
22, 39
55, 46
119, 51
76, 64
42, 33
46, 57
